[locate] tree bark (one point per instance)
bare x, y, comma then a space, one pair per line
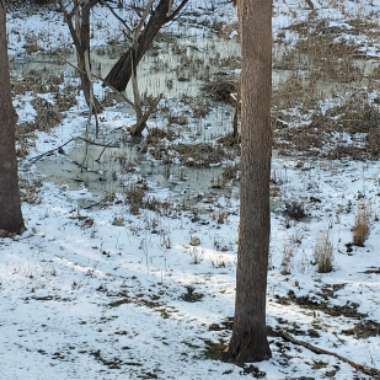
10, 210
121, 72
249, 339
83, 57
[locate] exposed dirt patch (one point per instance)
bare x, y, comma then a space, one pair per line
200, 155
35, 83
364, 330
221, 89
349, 310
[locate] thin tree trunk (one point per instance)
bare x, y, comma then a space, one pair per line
83, 55
121, 72
249, 339
79, 27
10, 210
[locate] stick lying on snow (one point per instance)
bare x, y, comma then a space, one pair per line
373, 372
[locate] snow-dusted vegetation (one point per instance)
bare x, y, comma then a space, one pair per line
127, 267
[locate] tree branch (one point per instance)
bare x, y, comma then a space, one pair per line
87, 141
178, 10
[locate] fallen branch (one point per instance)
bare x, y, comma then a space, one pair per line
373, 372
102, 202
87, 141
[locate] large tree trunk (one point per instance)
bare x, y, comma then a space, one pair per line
249, 340
121, 72
10, 210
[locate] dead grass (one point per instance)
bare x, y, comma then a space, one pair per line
31, 43
296, 91
200, 155
36, 82
323, 254
154, 204
288, 253
156, 135
230, 172
48, 116
361, 229
221, 89
295, 210
325, 134
135, 197
178, 119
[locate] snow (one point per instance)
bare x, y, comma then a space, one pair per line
84, 298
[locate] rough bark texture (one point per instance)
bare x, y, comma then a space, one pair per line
10, 211
121, 72
249, 340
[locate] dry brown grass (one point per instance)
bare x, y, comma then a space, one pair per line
135, 197
361, 229
324, 253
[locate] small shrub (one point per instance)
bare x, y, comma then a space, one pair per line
323, 254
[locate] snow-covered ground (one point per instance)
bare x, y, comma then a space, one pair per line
96, 292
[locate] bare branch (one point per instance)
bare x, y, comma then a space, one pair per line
87, 141
178, 10
112, 10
